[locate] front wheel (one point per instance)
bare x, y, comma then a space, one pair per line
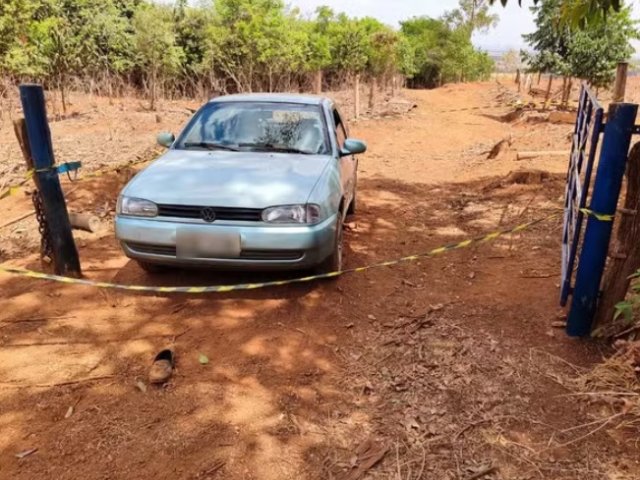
334, 262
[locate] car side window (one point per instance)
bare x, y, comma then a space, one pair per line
341, 133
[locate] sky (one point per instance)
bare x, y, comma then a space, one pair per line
514, 20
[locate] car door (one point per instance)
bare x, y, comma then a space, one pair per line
348, 163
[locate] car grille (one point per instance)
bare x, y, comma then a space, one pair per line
170, 251
271, 254
222, 213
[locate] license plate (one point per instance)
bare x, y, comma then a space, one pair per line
193, 243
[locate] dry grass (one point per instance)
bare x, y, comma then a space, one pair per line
615, 384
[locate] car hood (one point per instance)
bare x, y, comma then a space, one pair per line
229, 179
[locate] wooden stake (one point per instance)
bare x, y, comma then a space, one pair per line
620, 85
317, 87
20, 129
616, 279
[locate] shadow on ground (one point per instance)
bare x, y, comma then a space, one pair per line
449, 361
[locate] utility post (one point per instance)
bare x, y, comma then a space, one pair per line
64, 252
620, 85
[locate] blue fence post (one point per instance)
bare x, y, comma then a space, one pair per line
65, 254
606, 190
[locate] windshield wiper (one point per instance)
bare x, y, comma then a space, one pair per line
270, 147
210, 146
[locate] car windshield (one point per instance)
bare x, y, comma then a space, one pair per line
257, 126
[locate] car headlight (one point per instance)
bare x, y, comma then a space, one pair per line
136, 207
306, 214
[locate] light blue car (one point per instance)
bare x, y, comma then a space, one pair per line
257, 181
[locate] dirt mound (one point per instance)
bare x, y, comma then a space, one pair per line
527, 177
500, 148
521, 177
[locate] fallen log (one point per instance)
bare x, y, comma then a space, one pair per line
549, 153
85, 221
562, 117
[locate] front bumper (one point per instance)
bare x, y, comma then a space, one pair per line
272, 247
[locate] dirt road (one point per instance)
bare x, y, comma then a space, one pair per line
447, 368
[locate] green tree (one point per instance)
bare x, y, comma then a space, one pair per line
230, 45
472, 16
191, 36
510, 61
594, 52
578, 13
255, 43
590, 53
350, 44
154, 43
443, 53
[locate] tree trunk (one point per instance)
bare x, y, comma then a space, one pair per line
568, 93
564, 88
152, 88
539, 77
317, 83
63, 97
356, 96
547, 95
109, 88
372, 93
625, 258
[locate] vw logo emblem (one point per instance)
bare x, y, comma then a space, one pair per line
208, 214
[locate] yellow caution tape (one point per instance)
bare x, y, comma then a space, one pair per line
254, 286
13, 189
603, 217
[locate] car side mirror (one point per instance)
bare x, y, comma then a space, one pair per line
165, 139
353, 147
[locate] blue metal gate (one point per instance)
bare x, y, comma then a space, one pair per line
590, 250
589, 125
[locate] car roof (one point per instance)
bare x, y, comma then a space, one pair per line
272, 97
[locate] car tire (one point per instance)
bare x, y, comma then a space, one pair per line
334, 262
150, 267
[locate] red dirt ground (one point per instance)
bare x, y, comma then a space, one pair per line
450, 365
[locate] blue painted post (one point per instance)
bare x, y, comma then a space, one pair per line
606, 190
65, 254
